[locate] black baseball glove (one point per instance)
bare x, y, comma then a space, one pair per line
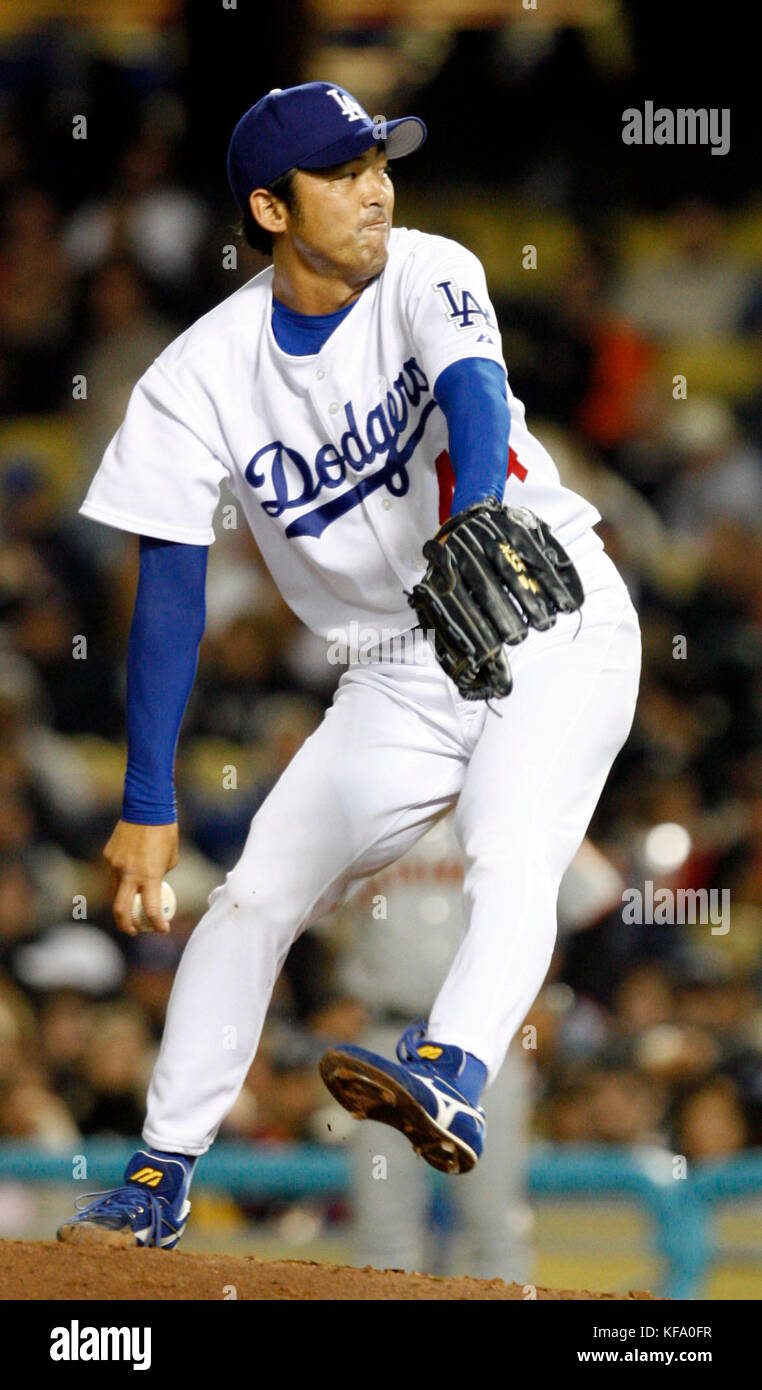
493, 572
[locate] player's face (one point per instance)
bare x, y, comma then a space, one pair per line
343, 217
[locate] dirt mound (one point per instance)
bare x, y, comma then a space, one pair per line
47, 1270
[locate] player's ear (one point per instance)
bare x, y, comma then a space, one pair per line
268, 211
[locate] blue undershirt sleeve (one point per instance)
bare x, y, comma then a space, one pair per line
162, 655
471, 394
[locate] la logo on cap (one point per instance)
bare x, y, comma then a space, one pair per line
350, 108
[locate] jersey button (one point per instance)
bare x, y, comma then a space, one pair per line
386, 504
319, 374
333, 407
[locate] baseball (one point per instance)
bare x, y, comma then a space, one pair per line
168, 905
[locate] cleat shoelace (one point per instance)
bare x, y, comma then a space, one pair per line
128, 1203
407, 1053
406, 1047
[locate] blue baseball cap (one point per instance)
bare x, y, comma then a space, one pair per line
309, 127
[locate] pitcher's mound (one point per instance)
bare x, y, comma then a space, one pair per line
48, 1270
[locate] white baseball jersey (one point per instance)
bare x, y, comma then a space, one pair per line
405, 939
408, 923
339, 459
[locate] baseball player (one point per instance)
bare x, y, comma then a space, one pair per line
404, 929
354, 397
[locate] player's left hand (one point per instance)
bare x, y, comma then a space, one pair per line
493, 572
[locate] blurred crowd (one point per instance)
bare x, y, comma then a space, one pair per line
646, 1033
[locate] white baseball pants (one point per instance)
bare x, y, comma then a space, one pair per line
396, 749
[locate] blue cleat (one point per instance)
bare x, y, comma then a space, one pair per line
420, 1097
151, 1209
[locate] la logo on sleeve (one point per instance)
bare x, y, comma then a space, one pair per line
461, 306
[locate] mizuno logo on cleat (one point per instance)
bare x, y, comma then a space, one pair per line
448, 1107
150, 1176
430, 1052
